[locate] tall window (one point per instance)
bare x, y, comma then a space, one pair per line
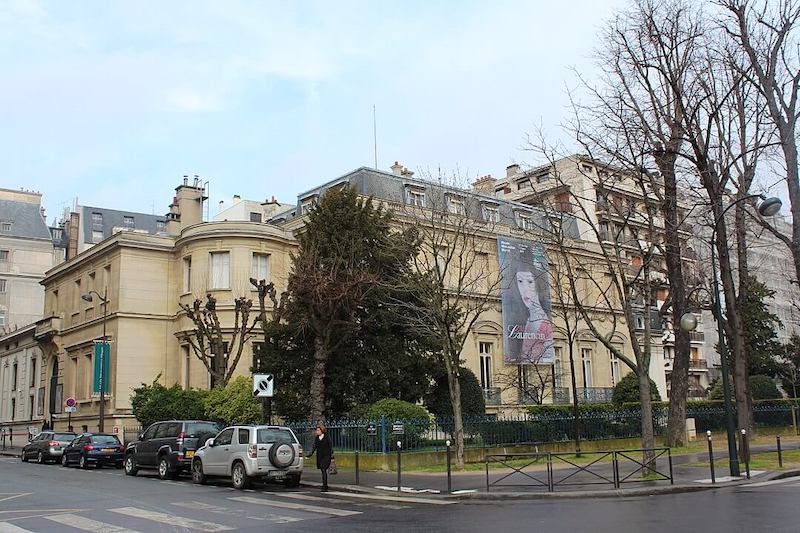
490, 213
187, 365
557, 370
220, 270
97, 218
187, 274
456, 205
33, 372
129, 222
415, 197
615, 376
76, 295
4, 255
485, 352
259, 268
2, 317
586, 361
2, 285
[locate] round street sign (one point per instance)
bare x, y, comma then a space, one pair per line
70, 402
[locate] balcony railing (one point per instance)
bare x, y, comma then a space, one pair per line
698, 364
491, 396
697, 336
595, 394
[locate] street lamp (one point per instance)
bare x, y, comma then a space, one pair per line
104, 301
767, 208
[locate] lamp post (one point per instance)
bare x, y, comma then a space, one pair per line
767, 207
103, 300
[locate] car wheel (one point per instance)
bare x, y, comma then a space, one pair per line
40, 458
163, 468
239, 477
292, 481
64, 461
130, 465
198, 477
83, 463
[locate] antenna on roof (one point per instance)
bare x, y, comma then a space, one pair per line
375, 135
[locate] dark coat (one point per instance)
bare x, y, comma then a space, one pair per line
324, 450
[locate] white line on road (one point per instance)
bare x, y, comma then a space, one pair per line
309, 497
226, 511
5, 527
170, 520
296, 506
87, 524
773, 482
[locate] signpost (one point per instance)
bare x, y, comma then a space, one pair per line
71, 407
372, 429
397, 428
264, 388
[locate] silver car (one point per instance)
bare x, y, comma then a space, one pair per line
244, 453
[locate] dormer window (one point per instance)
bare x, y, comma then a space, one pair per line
5, 227
524, 220
523, 184
490, 212
128, 222
541, 178
307, 204
455, 205
415, 196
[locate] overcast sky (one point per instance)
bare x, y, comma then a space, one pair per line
112, 102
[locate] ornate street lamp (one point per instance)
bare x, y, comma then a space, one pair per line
104, 301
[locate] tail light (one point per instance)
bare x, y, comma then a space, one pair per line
121, 448
252, 451
181, 436
87, 447
53, 443
300, 451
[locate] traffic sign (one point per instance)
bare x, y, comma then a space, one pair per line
263, 385
70, 409
70, 402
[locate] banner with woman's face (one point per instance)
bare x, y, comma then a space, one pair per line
526, 304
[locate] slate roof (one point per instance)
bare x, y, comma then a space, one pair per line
26, 220
113, 218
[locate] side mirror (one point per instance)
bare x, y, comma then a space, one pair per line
210, 443
141, 436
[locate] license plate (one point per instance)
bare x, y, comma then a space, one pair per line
109, 450
189, 455
277, 474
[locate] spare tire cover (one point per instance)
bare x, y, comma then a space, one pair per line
281, 454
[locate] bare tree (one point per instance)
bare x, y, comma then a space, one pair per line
219, 347
452, 283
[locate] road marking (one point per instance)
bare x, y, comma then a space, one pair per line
296, 506
309, 497
773, 482
170, 520
11, 495
226, 511
87, 524
5, 527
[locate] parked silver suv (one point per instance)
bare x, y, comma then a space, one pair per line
247, 452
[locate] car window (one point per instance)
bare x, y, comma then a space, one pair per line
37, 438
63, 437
104, 439
163, 431
244, 436
224, 437
75, 441
200, 429
173, 429
273, 435
151, 431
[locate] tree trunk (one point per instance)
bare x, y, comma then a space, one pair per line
576, 411
454, 386
648, 437
318, 381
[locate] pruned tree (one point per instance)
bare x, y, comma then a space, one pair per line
219, 347
451, 282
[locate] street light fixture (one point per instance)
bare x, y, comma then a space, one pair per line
104, 301
688, 322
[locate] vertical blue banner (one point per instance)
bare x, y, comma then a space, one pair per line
102, 353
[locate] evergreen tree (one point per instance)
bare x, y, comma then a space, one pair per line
760, 330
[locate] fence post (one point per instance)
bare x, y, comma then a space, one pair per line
549, 472
746, 446
615, 467
486, 460
449, 473
780, 455
711, 457
794, 419
383, 433
671, 476
358, 470
399, 444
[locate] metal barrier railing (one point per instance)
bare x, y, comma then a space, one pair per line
598, 471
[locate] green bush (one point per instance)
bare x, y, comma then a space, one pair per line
234, 403
472, 402
416, 419
763, 388
627, 390
154, 402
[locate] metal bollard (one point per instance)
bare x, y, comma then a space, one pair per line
780, 453
358, 470
711, 457
399, 445
449, 472
746, 447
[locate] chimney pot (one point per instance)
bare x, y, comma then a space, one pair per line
397, 169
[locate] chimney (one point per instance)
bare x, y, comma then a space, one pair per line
73, 231
236, 199
484, 184
187, 207
405, 172
512, 170
397, 169
221, 206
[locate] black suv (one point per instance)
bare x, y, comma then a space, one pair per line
168, 446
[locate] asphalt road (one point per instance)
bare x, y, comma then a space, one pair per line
51, 498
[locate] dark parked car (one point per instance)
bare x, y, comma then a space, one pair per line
96, 449
168, 446
46, 446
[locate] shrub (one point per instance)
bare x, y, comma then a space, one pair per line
763, 388
154, 402
416, 419
472, 402
627, 390
234, 403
